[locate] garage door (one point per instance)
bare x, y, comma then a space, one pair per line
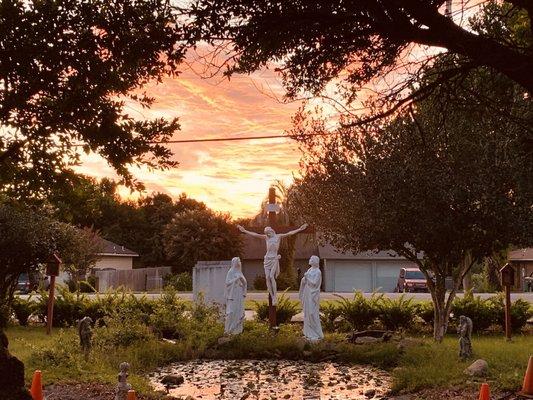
353, 275
387, 276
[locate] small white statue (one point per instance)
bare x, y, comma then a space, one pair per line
234, 293
310, 298
271, 260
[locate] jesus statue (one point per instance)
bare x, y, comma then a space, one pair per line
271, 261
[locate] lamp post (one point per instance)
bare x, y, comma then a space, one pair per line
52, 270
508, 279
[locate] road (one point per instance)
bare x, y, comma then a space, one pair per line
262, 296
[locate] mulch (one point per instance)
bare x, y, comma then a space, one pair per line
84, 391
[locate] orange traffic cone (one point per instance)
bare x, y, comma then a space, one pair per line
527, 387
37, 386
131, 395
484, 393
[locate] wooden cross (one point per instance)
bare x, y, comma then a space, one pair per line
273, 209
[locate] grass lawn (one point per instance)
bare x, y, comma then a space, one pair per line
423, 364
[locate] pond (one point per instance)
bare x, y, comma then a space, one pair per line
272, 379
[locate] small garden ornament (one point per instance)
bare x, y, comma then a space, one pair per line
85, 332
465, 340
123, 386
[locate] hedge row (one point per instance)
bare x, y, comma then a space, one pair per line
360, 313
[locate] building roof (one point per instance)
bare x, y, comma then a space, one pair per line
306, 246
521, 254
328, 251
112, 249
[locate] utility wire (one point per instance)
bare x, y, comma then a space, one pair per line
228, 139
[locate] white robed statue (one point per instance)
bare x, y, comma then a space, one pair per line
310, 298
234, 293
271, 260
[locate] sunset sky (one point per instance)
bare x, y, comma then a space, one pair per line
228, 176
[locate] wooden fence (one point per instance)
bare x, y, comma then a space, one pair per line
137, 280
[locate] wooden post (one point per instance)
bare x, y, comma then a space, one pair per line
508, 279
52, 270
508, 312
272, 319
51, 299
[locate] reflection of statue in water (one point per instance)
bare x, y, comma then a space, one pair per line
271, 260
85, 332
123, 386
465, 340
12, 385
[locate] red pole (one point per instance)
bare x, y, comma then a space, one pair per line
51, 299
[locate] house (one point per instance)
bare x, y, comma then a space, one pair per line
114, 256
522, 260
341, 272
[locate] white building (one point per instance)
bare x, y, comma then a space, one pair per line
114, 256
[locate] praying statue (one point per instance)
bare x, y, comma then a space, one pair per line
465, 337
271, 260
310, 298
86, 333
234, 293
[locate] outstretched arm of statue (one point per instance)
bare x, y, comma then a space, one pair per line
294, 232
257, 235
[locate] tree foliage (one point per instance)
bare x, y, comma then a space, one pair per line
67, 71
28, 238
200, 235
313, 43
450, 178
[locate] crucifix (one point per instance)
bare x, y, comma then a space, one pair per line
272, 235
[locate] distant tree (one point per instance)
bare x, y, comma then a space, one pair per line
200, 235
157, 211
67, 70
316, 42
80, 253
449, 178
27, 238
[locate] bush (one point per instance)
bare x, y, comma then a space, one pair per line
167, 316
68, 307
260, 283
23, 309
483, 313
329, 313
359, 312
285, 310
425, 311
397, 313
520, 312
286, 281
181, 282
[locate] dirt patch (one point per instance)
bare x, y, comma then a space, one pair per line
453, 394
86, 391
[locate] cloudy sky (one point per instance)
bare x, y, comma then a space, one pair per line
228, 176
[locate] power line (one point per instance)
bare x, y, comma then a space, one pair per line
228, 139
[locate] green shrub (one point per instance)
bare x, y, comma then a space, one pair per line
68, 307
167, 317
260, 283
396, 314
23, 309
425, 311
122, 330
286, 281
520, 312
359, 312
329, 312
285, 310
182, 282
482, 312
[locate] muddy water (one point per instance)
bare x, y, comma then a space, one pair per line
273, 379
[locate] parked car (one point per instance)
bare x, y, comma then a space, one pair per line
24, 284
411, 280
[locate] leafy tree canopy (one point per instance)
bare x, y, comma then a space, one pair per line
195, 235
314, 42
449, 178
67, 69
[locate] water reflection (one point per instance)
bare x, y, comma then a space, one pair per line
273, 379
